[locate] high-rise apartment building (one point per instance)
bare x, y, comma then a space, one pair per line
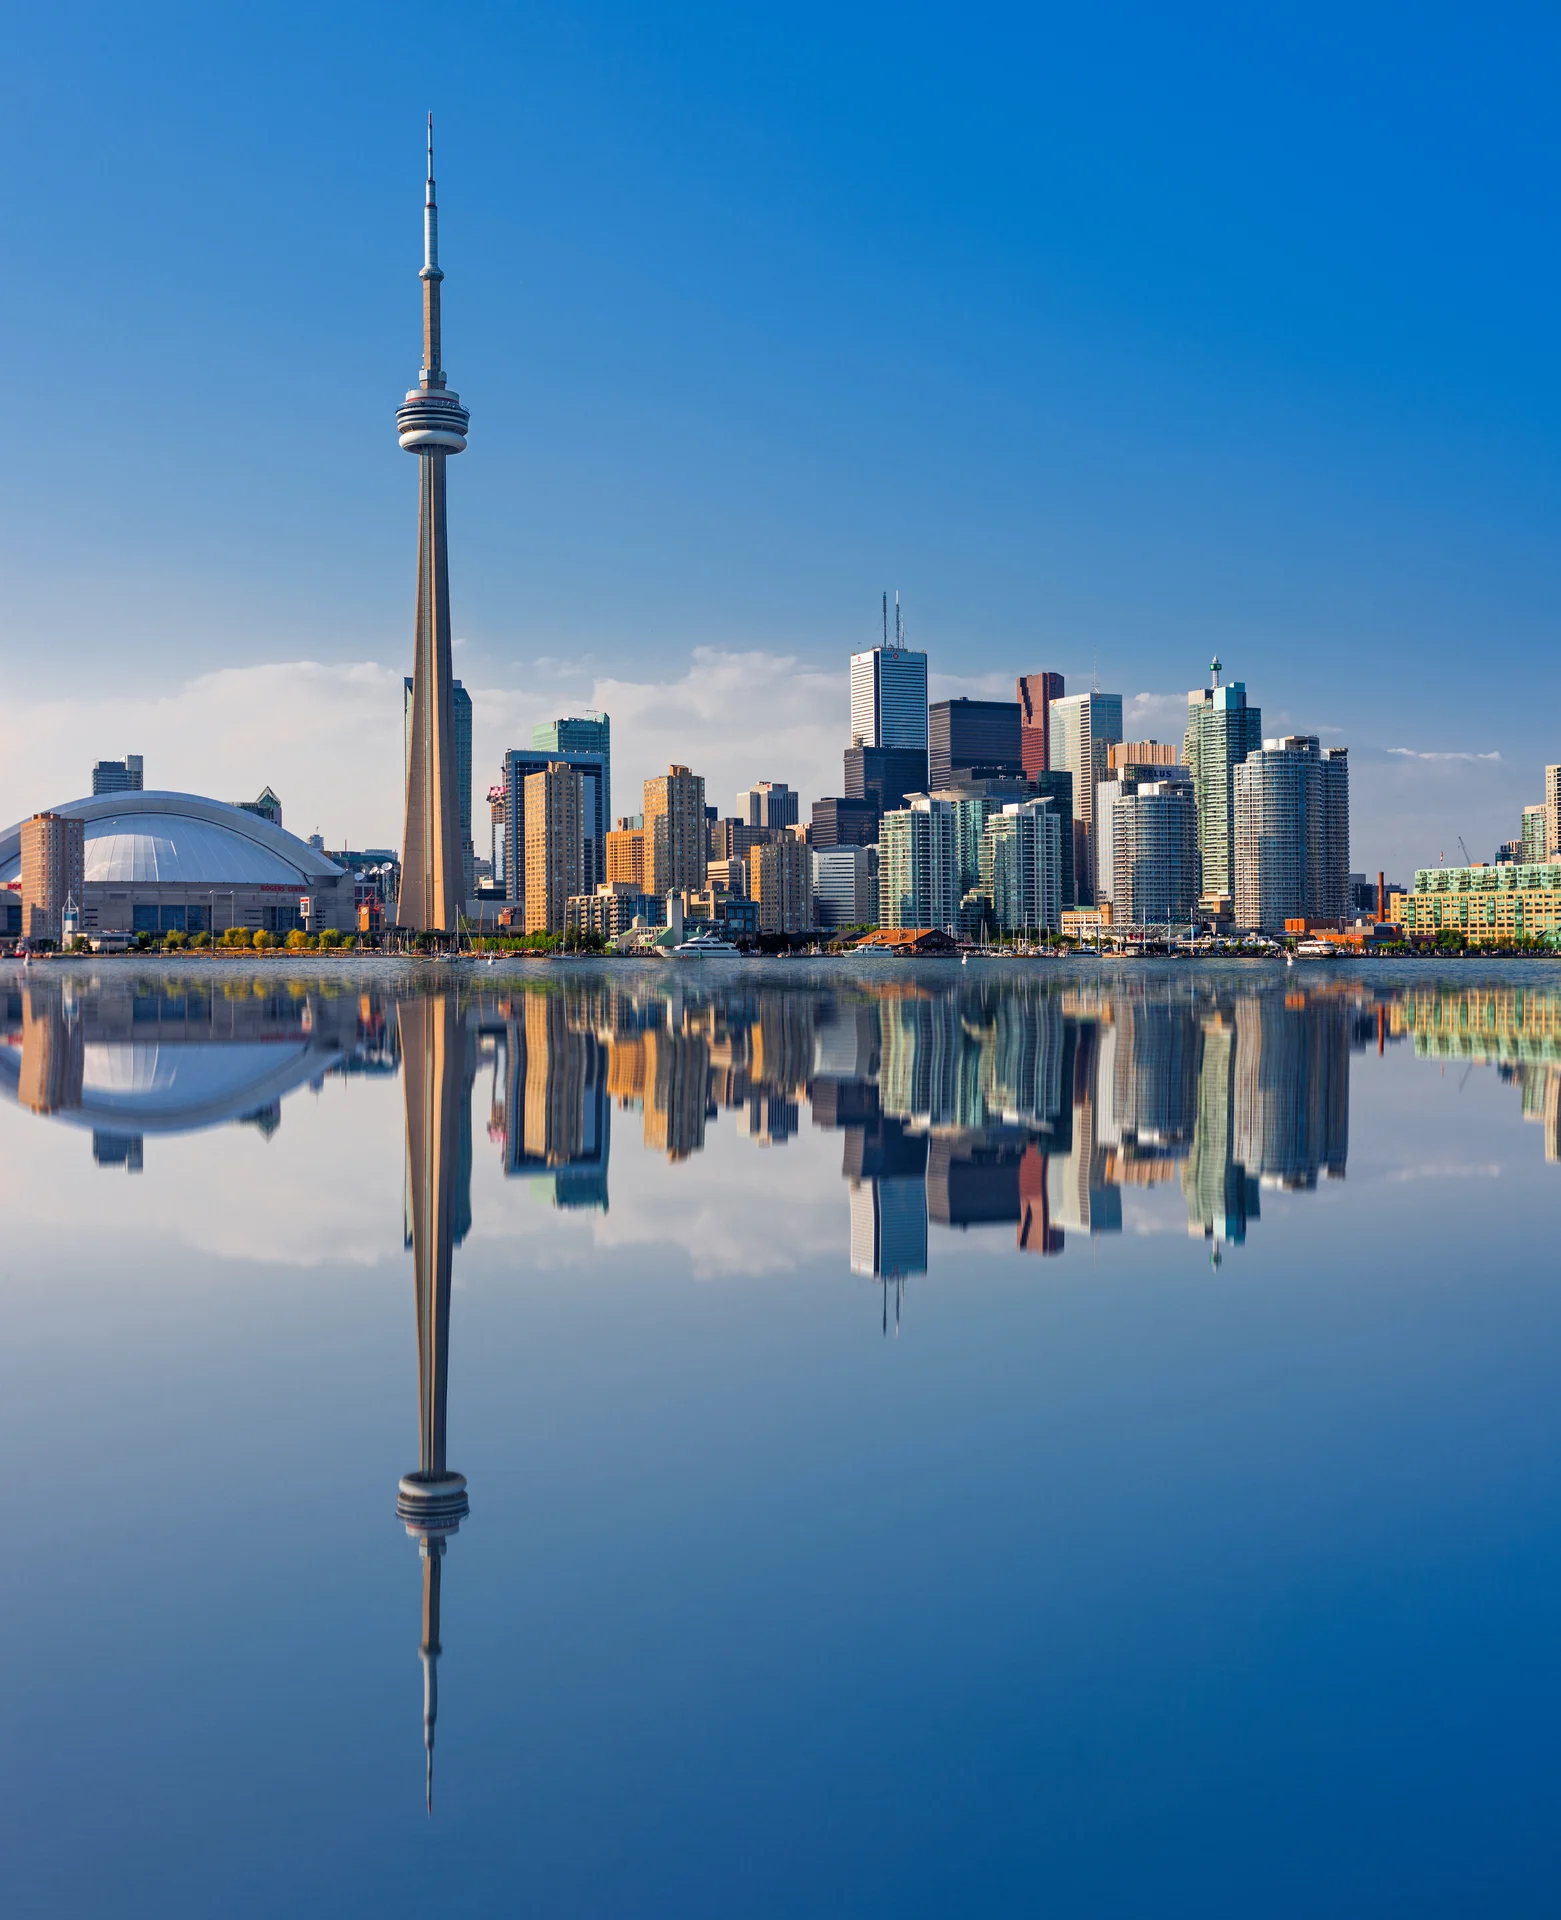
918, 866
118, 776
767, 803
1036, 692
889, 698
1021, 866
1552, 811
1154, 850
1126, 779
519, 764
555, 844
1056, 784
675, 842
1221, 731
1292, 833
780, 882
626, 863
1534, 837
591, 733
1083, 728
972, 739
53, 873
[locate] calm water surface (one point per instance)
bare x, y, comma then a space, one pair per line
779, 1440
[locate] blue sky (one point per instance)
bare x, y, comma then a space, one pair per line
1112, 337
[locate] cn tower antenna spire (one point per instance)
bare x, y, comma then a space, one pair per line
431, 216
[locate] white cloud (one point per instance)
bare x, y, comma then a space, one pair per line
328, 738
1414, 753
1155, 716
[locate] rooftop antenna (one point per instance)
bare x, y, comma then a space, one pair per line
886, 616
1215, 667
899, 624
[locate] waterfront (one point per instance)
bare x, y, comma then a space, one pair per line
991, 1440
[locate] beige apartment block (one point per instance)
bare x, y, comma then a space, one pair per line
53, 872
555, 844
675, 842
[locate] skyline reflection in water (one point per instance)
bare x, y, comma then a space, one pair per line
961, 1102
1022, 1110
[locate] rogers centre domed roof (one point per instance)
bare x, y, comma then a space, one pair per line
179, 839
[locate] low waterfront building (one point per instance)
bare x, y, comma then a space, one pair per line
175, 862
1484, 905
611, 910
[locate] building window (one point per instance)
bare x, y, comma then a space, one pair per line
143, 919
170, 920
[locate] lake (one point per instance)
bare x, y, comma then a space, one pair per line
763, 1439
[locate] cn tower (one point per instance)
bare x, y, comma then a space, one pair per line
432, 424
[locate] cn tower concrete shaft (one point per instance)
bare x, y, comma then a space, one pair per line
432, 424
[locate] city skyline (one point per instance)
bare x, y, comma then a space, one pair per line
1264, 430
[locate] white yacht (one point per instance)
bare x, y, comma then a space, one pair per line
706, 946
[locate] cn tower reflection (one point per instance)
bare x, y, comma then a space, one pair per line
432, 1500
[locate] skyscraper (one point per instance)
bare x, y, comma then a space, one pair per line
889, 693
972, 739
1221, 731
462, 712
118, 776
885, 775
432, 424
589, 734
1552, 811
767, 803
1083, 727
1292, 833
1536, 831
1036, 692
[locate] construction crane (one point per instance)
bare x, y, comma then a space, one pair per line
1467, 858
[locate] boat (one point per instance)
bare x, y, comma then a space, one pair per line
706, 946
